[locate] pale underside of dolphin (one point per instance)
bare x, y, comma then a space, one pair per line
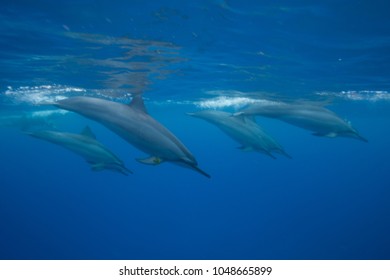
243, 130
136, 126
319, 120
86, 146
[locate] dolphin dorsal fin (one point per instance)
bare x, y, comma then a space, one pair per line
137, 103
87, 132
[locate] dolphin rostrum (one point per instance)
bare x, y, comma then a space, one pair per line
319, 120
244, 130
136, 126
85, 145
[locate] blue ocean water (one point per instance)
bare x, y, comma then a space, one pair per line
330, 201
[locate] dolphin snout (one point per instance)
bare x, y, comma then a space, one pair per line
192, 164
359, 137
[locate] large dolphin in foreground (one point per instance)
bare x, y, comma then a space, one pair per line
244, 130
319, 120
136, 126
85, 145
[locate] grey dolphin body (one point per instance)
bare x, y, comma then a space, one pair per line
319, 120
85, 145
244, 130
27, 120
136, 126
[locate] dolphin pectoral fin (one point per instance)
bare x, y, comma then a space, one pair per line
150, 160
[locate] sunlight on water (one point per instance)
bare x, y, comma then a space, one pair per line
40, 94
36, 95
362, 95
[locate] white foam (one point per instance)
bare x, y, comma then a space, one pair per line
48, 113
230, 102
40, 94
361, 95
223, 102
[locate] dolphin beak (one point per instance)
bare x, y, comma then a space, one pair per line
192, 164
122, 169
201, 171
126, 171
362, 138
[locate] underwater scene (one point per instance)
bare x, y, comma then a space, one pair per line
210, 129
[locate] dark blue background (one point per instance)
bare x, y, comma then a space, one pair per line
329, 202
